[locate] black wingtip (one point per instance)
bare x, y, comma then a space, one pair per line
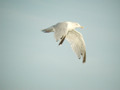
62, 40
84, 58
84, 61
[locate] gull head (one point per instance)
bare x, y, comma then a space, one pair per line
76, 25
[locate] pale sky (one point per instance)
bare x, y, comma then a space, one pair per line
32, 60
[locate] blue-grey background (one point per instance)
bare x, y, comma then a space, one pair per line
32, 60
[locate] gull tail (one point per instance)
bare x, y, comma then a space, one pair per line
47, 30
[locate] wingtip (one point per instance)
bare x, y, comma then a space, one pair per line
62, 40
84, 61
84, 58
59, 44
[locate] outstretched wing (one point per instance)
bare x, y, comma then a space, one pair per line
77, 43
60, 31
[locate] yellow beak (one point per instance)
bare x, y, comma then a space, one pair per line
81, 27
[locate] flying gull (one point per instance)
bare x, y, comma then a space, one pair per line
66, 30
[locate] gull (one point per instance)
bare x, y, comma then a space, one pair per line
66, 30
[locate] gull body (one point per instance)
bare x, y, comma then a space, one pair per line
66, 30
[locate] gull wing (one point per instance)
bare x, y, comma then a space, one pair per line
60, 31
77, 43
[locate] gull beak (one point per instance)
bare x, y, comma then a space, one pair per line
81, 27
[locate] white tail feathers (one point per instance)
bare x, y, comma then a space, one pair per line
47, 30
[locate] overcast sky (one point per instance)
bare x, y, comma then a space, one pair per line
32, 60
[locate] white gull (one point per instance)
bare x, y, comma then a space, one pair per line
66, 30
